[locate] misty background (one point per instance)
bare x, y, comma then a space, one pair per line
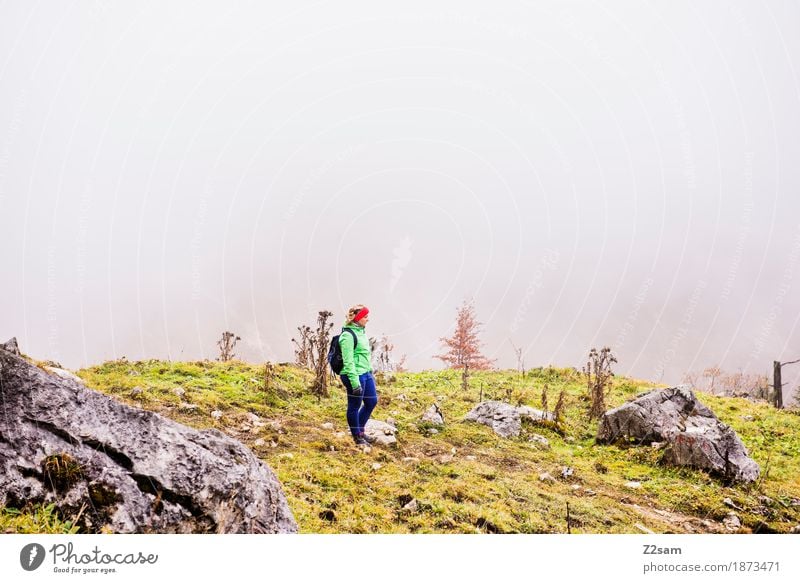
589, 175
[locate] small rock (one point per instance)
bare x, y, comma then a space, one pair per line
340, 434
732, 522
569, 439
445, 458
748, 418
765, 500
376, 466
382, 432
331, 448
328, 426
566, 472
575, 487
259, 442
136, 391
410, 459
795, 530
545, 477
178, 392
188, 407
470, 458
731, 503
287, 456
590, 493
216, 414
540, 440
633, 484
391, 422
658, 444
433, 431
433, 415
411, 506
795, 502
273, 444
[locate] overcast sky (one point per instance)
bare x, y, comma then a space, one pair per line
590, 175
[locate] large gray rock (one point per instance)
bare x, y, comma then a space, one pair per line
695, 436
505, 419
124, 469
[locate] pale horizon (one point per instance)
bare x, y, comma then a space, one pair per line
590, 175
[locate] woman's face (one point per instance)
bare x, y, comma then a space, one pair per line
363, 321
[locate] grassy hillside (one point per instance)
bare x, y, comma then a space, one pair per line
464, 478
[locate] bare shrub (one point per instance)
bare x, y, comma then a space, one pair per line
598, 379
226, 346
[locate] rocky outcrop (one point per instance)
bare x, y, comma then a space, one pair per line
505, 419
695, 437
112, 467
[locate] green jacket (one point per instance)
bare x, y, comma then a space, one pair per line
355, 362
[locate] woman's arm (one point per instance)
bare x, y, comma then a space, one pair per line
346, 342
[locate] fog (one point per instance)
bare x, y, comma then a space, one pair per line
589, 175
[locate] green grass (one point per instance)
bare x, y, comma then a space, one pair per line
489, 484
32, 520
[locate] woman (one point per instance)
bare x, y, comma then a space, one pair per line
356, 373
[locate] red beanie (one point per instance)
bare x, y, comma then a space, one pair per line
363, 312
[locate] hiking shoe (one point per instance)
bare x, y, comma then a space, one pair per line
359, 440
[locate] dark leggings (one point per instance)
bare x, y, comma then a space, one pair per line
359, 407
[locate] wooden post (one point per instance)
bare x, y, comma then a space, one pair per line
777, 386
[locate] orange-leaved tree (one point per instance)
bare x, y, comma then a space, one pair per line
464, 346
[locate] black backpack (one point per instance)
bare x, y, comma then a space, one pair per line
335, 351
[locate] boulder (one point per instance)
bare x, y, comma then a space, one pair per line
433, 415
505, 419
383, 433
695, 436
114, 467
